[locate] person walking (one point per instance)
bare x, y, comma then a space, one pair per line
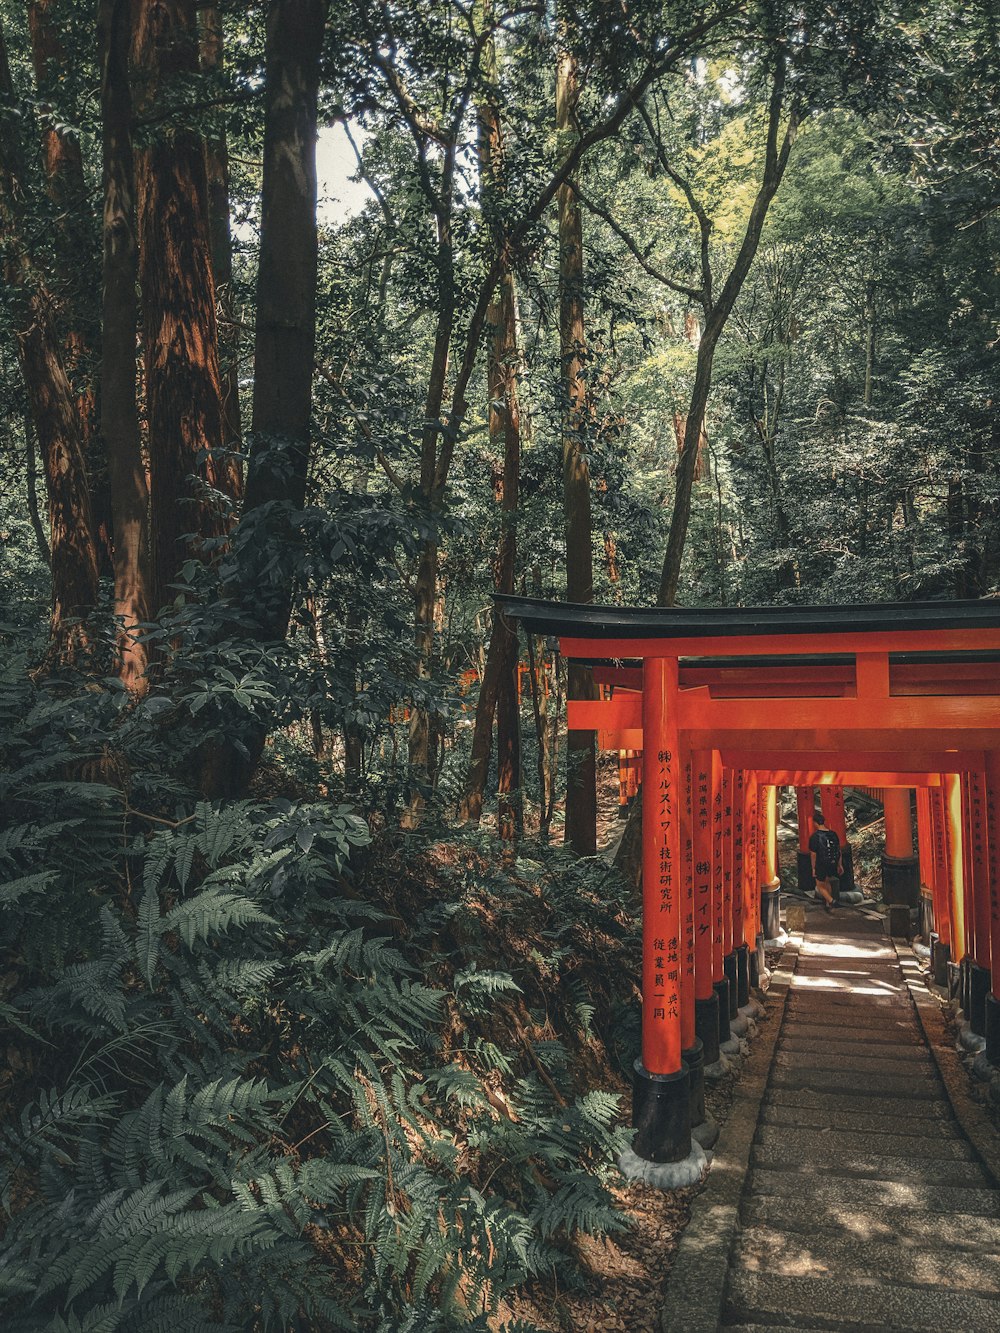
827, 860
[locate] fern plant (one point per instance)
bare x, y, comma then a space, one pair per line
243, 1103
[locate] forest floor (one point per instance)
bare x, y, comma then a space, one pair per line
626, 1275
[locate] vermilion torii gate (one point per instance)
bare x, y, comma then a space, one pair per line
726, 705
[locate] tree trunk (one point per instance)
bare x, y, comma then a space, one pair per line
180, 337
421, 747
221, 239
285, 340
505, 424
75, 255
716, 314
31, 485
119, 409
471, 808
499, 694
73, 552
869, 319
581, 767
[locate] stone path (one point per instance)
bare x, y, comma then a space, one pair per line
865, 1207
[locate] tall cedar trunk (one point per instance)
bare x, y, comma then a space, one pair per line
503, 393
180, 343
74, 255
776, 152
73, 552
285, 339
498, 695
869, 320
581, 768
221, 239
421, 746
119, 410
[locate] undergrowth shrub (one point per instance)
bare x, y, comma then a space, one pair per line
262, 1074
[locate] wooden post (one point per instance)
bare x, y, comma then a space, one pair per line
661, 1087
977, 899
956, 884
708, 908
992, 813
898, 827
942, 870
832, 802
767, 882
702, 771
687, 907
805, 804
742, 843
900, 870
732, 841
722, 846
925, 853
661, 869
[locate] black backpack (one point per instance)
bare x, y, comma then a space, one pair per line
830, 847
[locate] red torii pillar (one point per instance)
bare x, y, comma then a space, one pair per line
925, 853
732, 854
661, 1096
832, 803
743, 843
952, 790
900, 868
768, 881
992, 812
977, 901
941, 948
706, 1001
721, 834
805, 806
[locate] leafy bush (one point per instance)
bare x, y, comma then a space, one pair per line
257, 1089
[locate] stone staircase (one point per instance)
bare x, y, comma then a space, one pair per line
865, 1207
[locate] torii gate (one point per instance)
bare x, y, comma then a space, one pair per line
726, 705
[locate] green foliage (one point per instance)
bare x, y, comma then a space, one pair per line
242, 1110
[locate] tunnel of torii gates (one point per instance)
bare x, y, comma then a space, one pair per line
727, 705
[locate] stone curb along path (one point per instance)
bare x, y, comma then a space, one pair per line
975, 1123
855, 1184
696, 1288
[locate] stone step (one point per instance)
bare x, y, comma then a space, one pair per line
849, 946
839, 1001
835, 969
857, 1107
961, 1232
838, 1012
848, 951
772, 1328
875, 1194
906, 1131
862, 1062
826, 1143
901, 1034
795, 1044
853, 1164
850, 1304
869, 1084
821, 1254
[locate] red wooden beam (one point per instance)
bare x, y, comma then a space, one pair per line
888, 641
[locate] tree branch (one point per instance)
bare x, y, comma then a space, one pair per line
693, 293
705, 223
364, 427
